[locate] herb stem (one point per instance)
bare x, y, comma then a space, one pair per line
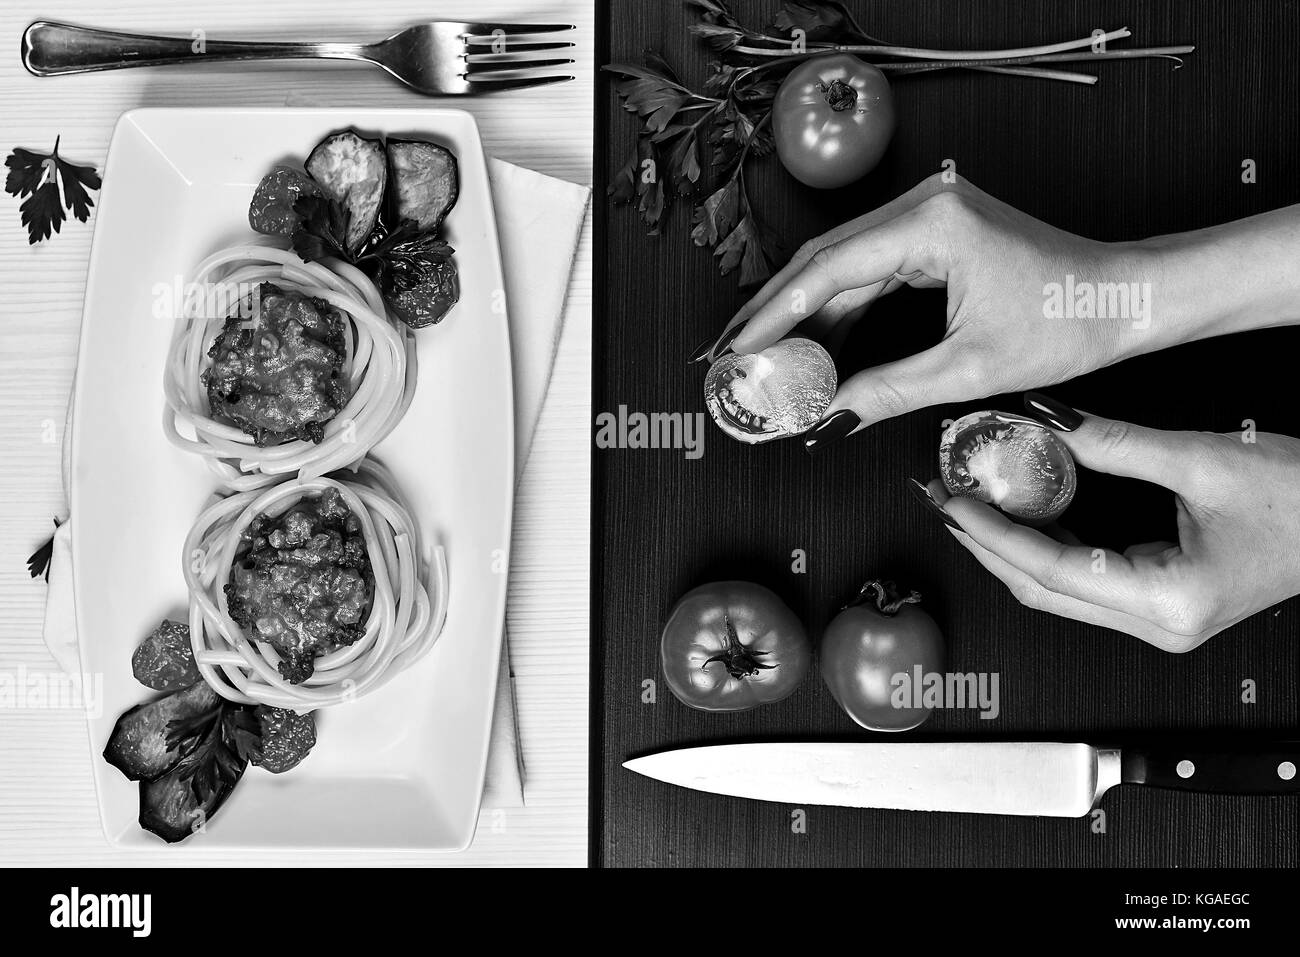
693, 127
1080, 57
920, 53
745, 74
744, 150
1068, 76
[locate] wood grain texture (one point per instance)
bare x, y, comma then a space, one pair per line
48, 812
1148, 150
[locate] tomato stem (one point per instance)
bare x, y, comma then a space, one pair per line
840, 96
886, 597
740, 661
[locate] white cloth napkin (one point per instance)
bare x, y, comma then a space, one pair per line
539, 222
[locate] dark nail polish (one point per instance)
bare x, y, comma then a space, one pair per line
1050, 412
923, 496
831, 429
720, 345
702, 350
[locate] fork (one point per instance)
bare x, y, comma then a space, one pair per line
440, 58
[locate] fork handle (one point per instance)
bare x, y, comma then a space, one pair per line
52, 49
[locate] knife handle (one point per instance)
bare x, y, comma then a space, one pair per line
1266, 768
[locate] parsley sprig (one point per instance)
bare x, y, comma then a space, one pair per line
217, 745
322, 229
50, 184
730, 119
38, 562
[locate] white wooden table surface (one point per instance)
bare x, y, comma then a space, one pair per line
48, 814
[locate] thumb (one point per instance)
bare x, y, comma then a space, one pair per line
1118, 447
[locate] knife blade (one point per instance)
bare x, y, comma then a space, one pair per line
1030, 778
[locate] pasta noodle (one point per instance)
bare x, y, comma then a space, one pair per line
379, 367
403, 623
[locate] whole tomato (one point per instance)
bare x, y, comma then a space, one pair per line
730, 646
832, 117
879, 636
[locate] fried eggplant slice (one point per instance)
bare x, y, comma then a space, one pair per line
138, 745
164, 661
271, 211
287, 738
352, 171
170, 808
423, 182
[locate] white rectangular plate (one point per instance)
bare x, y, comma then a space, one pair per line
402, 767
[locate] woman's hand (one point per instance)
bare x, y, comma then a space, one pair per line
995, 261
1007, 327
1238, 548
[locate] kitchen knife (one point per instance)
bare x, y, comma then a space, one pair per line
1025, 778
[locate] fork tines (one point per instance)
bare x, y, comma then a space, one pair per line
496, 65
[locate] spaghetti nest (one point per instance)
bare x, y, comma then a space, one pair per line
371, 365
396, 623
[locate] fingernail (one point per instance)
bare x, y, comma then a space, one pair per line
1051, 412
923, 496
721, 345
831, 429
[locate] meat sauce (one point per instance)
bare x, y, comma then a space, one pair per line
302, 581
281, 378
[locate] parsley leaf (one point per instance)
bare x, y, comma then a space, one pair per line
726, 222
404, 258
76, 180
639, 180
245, 733
26, 171
38, 563
825, 20
49, 184
652, 92
216, 745
718, 26
743, 247
716, 217
322, 229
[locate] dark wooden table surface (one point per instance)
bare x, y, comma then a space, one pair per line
1148, 150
